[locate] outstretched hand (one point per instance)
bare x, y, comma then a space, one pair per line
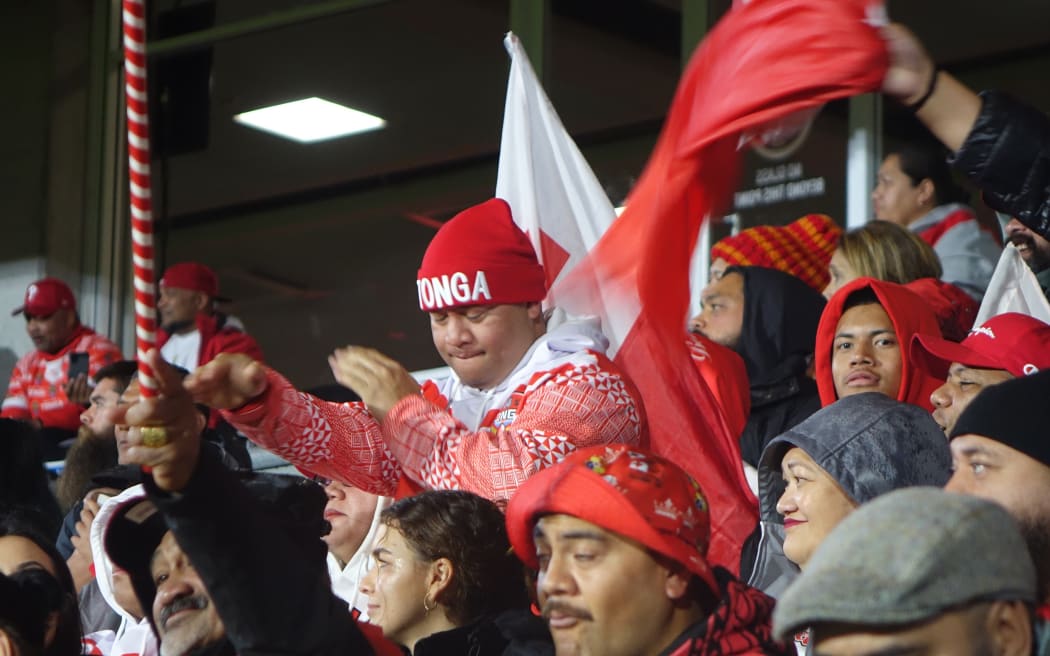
908, 76
378, 380
171, 464
229, 381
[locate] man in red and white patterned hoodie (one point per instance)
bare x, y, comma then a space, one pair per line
41, 390
519, 398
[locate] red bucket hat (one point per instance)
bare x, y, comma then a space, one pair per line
480, 257
45, 297
625, 490
1012, 341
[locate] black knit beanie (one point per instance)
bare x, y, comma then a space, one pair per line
1015, 413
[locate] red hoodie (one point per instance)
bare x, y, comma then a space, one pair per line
955, 309
910, 315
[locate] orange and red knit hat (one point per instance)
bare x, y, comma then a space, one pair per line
802, 248
480, 257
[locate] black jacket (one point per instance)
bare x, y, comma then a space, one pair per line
511, 633
269, 584
1007, 155
780, 320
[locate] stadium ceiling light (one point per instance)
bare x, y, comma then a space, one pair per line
310, 120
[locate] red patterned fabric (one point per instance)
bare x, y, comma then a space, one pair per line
582, 402
628, 491
740, 625
36, 387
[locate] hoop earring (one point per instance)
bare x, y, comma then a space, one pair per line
426, 608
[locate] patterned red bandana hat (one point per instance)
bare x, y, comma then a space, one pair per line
802, 248
480, 257
628, 491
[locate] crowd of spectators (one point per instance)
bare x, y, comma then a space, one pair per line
517, 506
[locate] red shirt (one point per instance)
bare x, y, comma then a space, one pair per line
37, 382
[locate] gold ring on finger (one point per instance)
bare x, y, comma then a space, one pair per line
154, 436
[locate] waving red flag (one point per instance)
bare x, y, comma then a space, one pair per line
765, 63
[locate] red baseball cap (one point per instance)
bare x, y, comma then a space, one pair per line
45, 297
193, 276
625, 490
1012, 341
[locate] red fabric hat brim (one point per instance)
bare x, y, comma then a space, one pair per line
936, 354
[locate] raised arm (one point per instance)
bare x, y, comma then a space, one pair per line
950, 110
341, 441
232, 542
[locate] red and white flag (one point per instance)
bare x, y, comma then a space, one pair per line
765, 62
552, 191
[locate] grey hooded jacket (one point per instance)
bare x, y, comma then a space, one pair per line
870, 444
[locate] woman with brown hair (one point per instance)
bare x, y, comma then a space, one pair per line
883, 251
888, 252
445, 581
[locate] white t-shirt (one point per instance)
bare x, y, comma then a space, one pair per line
183, 350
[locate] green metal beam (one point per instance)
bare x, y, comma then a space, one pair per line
530, 20
266, 22
696, 21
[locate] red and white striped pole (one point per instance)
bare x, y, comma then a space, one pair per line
141, 200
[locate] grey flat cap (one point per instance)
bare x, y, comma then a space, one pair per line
906, 557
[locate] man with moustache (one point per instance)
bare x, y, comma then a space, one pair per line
1000, 452
619, 538
227, 564
95, 449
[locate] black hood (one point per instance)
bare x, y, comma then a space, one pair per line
779, 329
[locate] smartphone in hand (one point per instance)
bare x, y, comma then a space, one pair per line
78, 364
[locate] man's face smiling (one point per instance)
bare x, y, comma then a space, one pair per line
1034, 249
603, 595
183, 613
